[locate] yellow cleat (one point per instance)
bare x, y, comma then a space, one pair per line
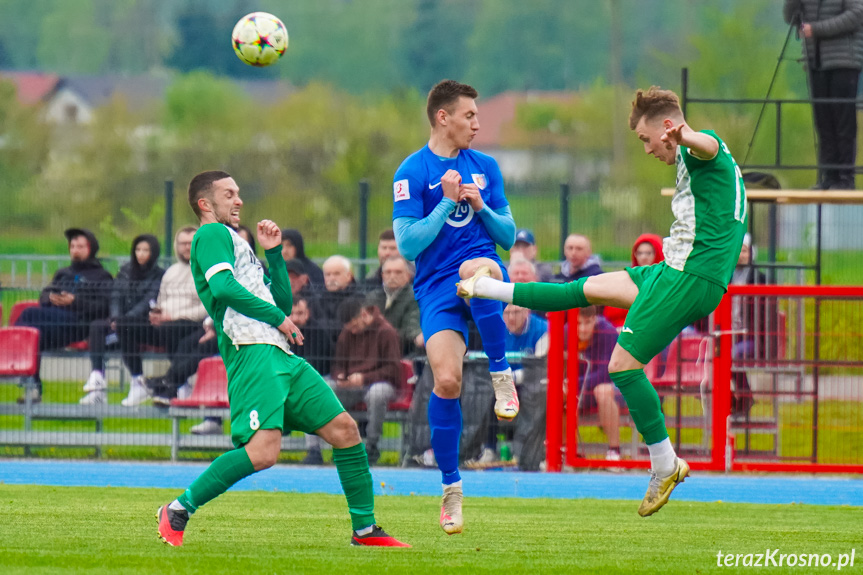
451, 520
659, 490
467, 288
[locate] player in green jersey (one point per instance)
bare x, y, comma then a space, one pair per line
271, 390
700, 254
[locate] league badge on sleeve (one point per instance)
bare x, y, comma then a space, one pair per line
479, 180
401, 191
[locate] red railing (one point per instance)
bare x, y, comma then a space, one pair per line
723, 449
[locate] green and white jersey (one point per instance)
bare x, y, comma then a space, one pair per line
215, 248
710, 206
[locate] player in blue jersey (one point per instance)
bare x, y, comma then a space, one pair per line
449, 213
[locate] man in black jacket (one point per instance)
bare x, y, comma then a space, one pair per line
76, 296
832, 31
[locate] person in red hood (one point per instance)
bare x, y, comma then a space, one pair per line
646, 251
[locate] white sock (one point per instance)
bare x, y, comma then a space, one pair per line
456, 484
490, 288
365, 530
663, 460
176, 505
507, 370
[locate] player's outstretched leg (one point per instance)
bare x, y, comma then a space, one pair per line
535, 295
488, 316
222, 473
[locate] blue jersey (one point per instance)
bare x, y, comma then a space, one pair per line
416, 192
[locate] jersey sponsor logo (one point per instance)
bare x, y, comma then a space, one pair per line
479, 180
401, 191
625, 329
461, 215
433, 186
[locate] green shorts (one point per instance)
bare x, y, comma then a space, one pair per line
668, 300
270, 389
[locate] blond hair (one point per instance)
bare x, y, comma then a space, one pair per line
652, 103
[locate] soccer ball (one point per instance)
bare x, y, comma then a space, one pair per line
259, 39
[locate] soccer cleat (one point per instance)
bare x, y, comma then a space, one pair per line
659, 490
171, 525
451, 520
377, 538
505, 396
138, 393
96, 382
467, 288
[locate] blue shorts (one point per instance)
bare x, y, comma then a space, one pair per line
441, 308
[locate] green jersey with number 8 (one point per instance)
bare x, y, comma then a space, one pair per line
709, 205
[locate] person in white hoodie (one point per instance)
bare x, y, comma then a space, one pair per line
175, 314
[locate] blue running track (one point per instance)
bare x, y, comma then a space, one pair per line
295, 478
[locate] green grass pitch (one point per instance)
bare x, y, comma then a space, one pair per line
113, 530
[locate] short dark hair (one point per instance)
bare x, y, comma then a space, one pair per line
387, 234
351, 308
200, 186
444, 95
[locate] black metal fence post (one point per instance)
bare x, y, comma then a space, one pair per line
169, 219
364, 225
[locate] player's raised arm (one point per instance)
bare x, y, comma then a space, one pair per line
496, 216
700, 145
270, 238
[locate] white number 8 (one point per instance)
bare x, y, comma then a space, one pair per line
254, 423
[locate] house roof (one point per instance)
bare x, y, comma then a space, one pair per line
32, 87
497, 113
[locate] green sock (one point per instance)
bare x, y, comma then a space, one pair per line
550, 297
643, 402
352, 464
222, 473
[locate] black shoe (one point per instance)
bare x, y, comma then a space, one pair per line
35, 397
161, 401
313, 457
843, 184
373, 454
377, 538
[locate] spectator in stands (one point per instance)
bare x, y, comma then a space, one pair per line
301, 286
398, 304
136, 285
184, 363
646, 251
525, 247
176, 314
832, 32
77, 296
340, 285
526, 334
596, 340
580, 261
521, 270
366, 366
293, 247
749, 317
386, 248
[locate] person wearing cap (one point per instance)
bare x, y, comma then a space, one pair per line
77, 295
525, 247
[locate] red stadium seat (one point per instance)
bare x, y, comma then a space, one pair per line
688, 362
19, 307
405, 391
19, 352
211, 387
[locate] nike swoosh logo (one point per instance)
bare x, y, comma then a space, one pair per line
625, 330
431, 187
